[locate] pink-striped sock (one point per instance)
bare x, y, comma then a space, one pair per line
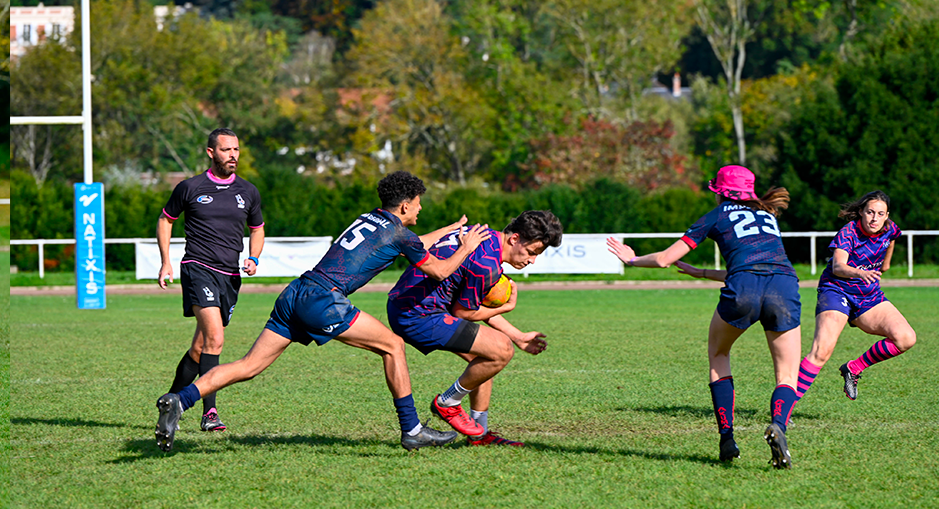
879, 352
807, 374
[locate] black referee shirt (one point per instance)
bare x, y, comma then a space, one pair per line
216, 213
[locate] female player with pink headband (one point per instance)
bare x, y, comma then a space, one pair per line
759, 285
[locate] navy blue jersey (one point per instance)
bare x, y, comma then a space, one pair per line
749, 239
216, 213
416, 293
367, 247
865, 252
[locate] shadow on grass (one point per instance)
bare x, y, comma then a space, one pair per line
688, 411
697, 458
708, 413
147, 448
66, 422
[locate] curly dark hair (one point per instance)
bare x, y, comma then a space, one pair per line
398, 187
534, 225
222, 131
852, 211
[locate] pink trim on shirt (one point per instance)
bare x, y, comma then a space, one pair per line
210, 268
169, 216
217, 180
258, 226
687, 240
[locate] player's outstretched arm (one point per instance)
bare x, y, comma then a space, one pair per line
659, 260
440, 269
691, 270
429, 239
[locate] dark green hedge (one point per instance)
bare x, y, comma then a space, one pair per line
295, 205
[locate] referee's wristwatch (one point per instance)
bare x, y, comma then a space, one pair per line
254, 259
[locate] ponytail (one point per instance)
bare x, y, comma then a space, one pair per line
773, 201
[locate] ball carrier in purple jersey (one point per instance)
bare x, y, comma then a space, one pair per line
315, 307
759, 285
218, 204
849, 293
440, 315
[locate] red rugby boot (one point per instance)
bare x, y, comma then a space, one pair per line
455, 416
492, 438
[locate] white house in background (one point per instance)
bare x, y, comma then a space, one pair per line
676, 92
30, 26
162, 12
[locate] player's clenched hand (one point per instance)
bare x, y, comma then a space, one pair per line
532, 342
249, 267
474, 236
622, 251
166, 272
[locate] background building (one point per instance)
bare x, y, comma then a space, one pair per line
33, 25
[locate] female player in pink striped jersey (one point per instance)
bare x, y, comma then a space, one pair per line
849, 293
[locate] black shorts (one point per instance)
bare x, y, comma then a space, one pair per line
208, 288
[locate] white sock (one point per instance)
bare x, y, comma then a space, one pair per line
481, 418
417, 429
453, 396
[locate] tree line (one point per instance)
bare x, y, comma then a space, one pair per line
491, 101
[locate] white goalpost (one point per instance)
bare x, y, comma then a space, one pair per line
89, 196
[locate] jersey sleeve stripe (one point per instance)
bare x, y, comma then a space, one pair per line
688, 240
424, 260
256, 227
169, 216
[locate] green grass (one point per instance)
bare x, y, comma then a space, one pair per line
5, 365
921, 271
616, 413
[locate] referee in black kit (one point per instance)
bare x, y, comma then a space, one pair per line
217, 204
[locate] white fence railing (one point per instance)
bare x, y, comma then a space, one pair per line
533, 269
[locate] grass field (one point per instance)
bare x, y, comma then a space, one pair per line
113, 277
616, 413
5, 345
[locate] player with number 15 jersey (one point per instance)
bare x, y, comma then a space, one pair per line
315, 307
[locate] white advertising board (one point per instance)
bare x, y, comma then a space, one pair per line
578, 254
281, 257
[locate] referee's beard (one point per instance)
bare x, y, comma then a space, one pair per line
220, 168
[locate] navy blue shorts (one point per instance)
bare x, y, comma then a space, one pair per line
771, 299
306, 312
428, 333
831, 299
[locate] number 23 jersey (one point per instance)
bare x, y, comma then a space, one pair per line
749, 239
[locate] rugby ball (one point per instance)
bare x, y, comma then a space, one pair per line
499, 294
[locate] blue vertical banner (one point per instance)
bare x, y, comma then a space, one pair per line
89, 245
